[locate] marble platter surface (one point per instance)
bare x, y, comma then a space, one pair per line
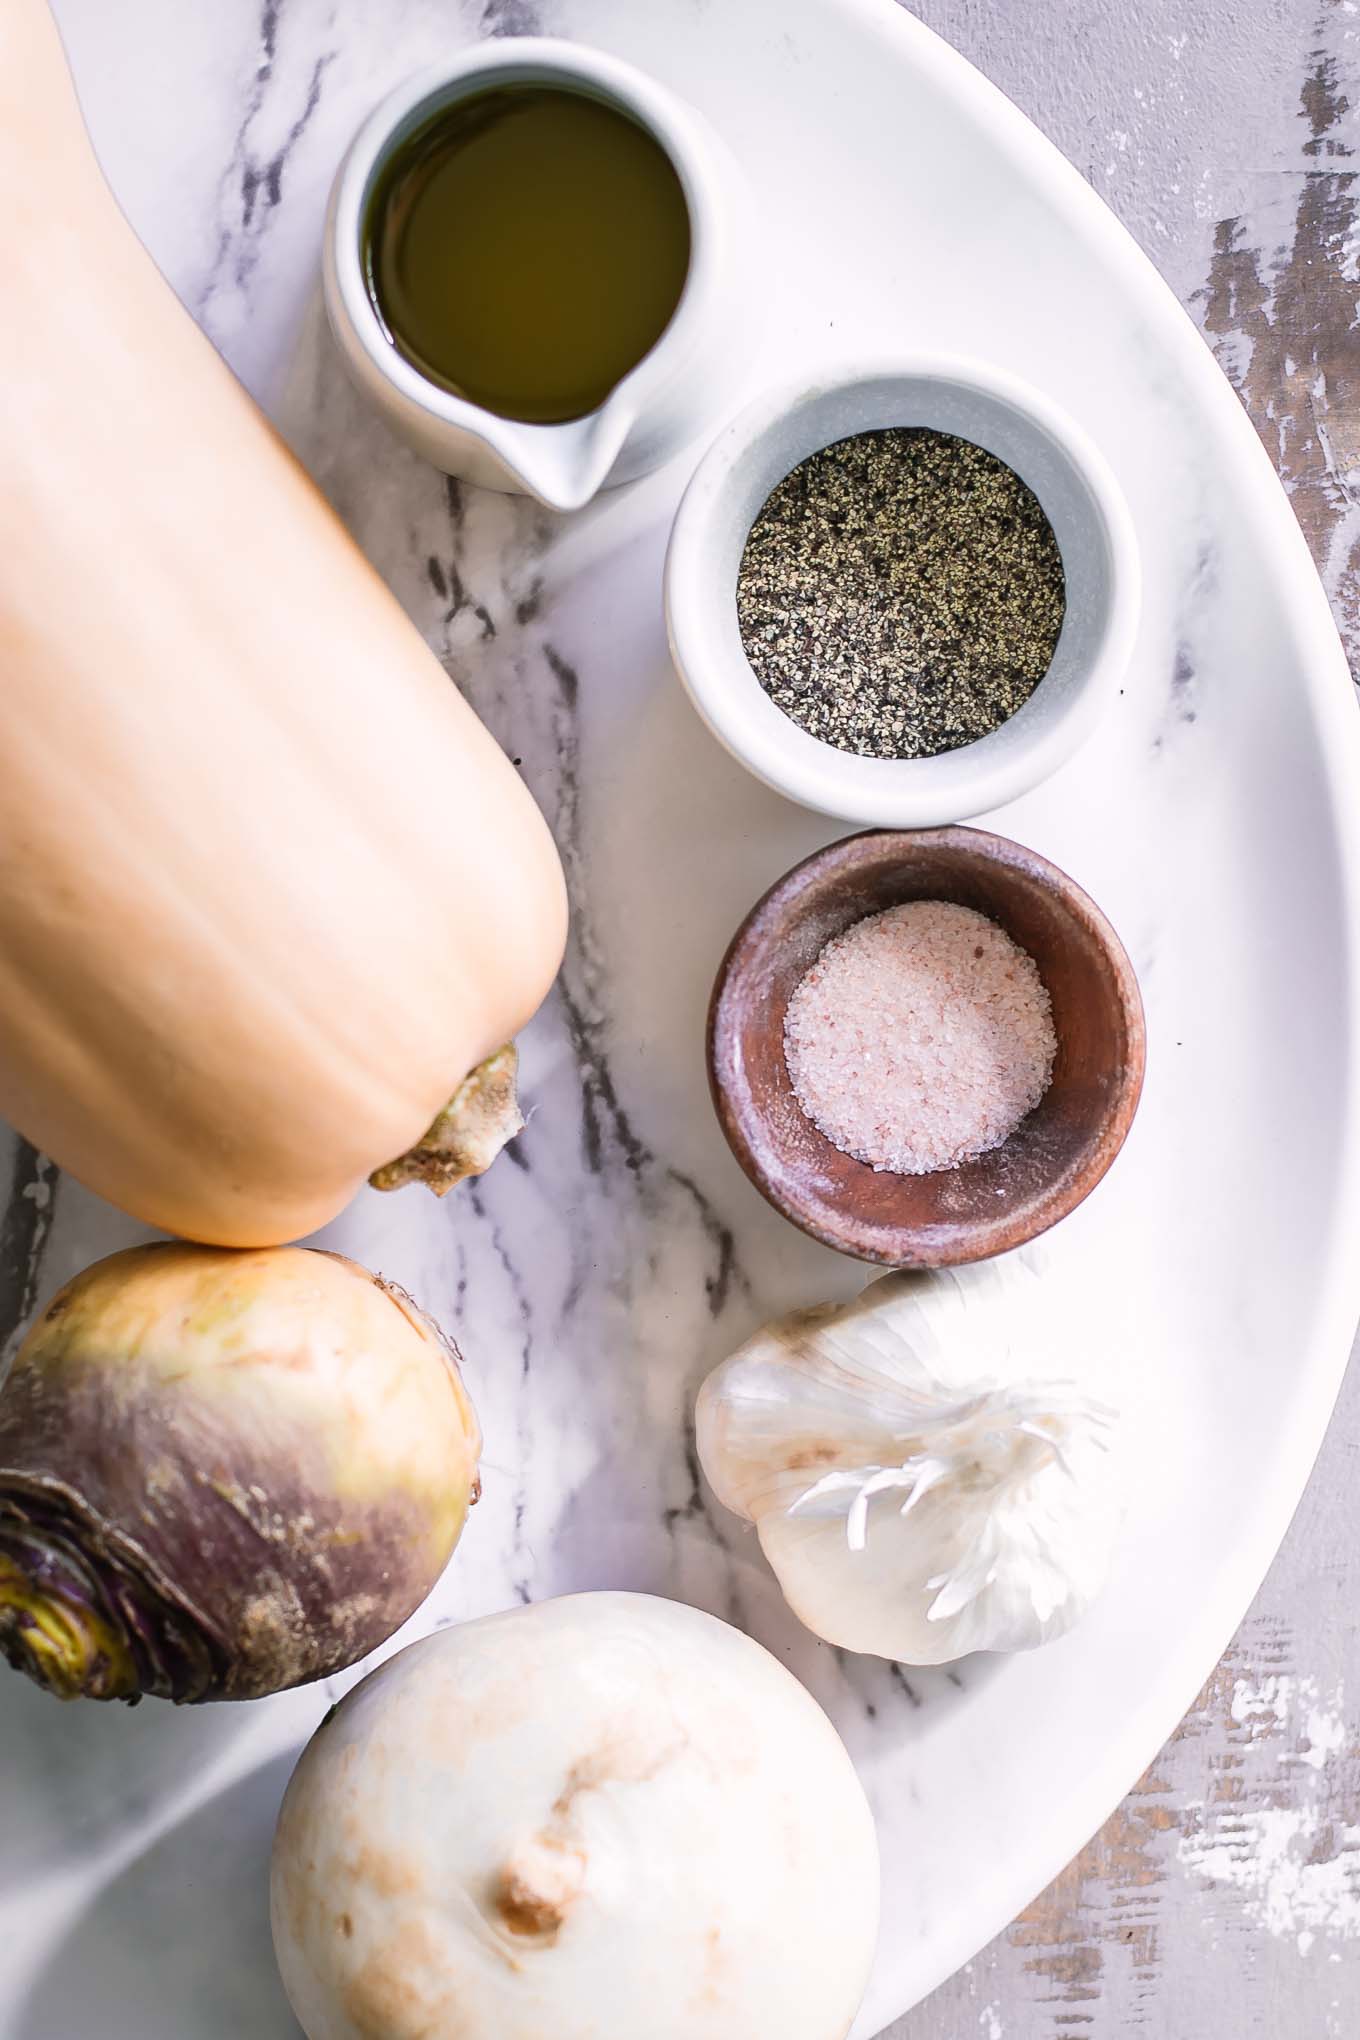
1210, 1285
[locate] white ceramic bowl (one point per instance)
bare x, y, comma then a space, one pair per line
1081, 500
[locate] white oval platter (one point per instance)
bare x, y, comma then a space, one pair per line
1211, 1283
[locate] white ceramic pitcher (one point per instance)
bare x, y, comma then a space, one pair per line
687, 380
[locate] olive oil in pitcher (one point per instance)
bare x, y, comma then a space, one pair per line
525, 248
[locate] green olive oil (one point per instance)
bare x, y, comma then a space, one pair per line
525, 248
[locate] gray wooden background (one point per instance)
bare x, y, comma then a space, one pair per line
1222, 1900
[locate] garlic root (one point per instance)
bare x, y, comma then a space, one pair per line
919, 1484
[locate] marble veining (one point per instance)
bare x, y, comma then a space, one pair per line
596, 1273
29, 1209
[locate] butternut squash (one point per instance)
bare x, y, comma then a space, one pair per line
268, 889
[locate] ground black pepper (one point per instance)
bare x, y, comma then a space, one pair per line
901, 593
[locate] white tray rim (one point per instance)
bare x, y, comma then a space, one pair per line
1321, 1361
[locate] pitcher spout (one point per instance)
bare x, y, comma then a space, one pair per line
564, 465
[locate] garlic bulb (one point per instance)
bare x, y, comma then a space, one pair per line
607, 1817
918, 1494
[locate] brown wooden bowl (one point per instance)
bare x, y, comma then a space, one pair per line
1057, 1154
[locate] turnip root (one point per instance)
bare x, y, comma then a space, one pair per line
224, 1473
599, 1818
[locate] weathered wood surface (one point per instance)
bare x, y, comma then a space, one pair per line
1222, 1900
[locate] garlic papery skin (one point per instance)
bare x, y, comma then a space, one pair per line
920, 1487
606, 1817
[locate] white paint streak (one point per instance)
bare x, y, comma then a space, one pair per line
1296, 1867
1235, 351
1325, 1736
1265, 1706
1269, 1854
1259, 1705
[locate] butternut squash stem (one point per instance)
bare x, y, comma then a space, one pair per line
466, 1137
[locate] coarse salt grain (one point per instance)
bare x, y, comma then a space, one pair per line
920, 1038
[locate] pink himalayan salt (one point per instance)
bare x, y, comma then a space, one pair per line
920, 1038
